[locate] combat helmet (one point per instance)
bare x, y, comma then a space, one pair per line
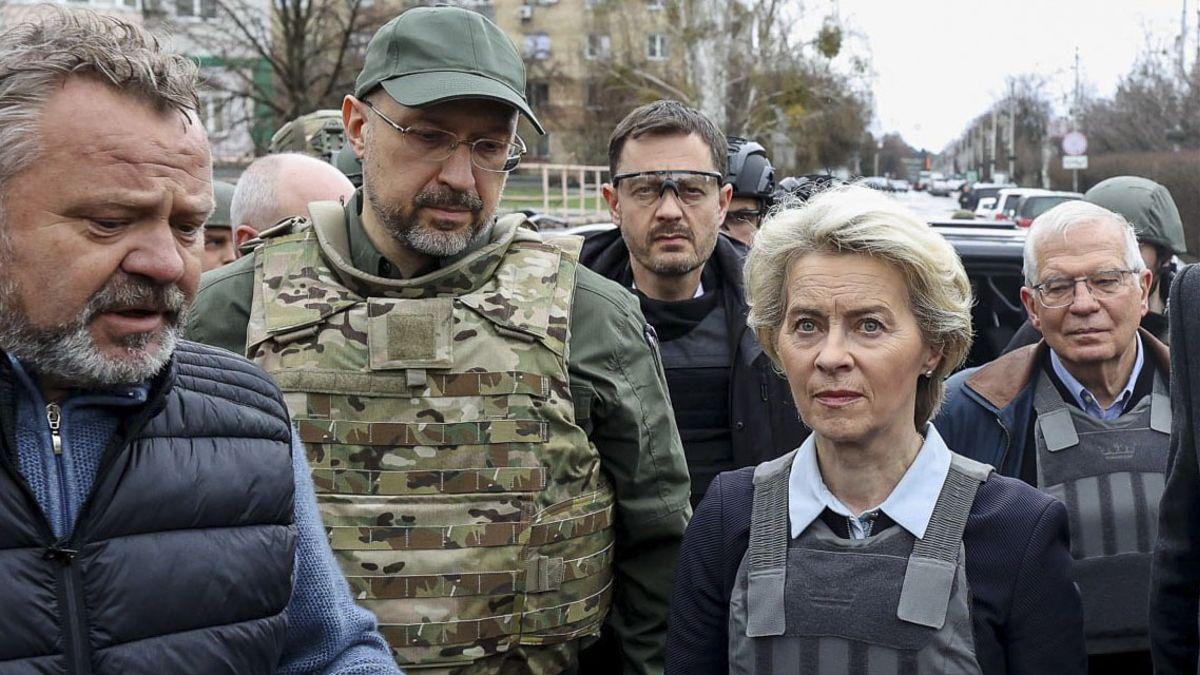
750, 172
222, 199
1147, 206
319, 134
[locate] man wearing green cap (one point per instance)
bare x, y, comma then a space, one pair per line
218, 230
486, 420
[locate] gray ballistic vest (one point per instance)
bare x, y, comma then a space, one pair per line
1110, 474
703, 428
886, 605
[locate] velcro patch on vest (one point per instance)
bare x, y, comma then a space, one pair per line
410, 333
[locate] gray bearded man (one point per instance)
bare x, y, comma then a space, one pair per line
154, 514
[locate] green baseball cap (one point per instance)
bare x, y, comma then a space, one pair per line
222, 199
428, 55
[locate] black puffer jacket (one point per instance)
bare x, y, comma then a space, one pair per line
763, 420
181, 560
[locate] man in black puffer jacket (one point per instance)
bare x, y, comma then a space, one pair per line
155, 515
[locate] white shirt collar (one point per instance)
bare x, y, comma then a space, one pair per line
1086, 399
910, 504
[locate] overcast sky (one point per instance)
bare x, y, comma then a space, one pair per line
939, 63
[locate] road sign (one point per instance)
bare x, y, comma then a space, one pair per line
1074, 143
1078, 162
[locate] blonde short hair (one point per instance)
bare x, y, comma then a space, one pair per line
854, 219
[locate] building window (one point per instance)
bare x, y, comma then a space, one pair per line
214, 112
597, 46
656, 4
537, 93
205, 9
537, 46
656, 46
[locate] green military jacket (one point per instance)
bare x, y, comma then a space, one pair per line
621, 400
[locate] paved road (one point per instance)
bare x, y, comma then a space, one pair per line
927, 207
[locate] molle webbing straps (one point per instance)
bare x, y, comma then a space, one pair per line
929, 578
767, 553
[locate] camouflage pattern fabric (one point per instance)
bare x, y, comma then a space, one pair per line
463, 502
318, 134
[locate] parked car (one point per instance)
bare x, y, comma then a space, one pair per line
899, 185
876, 183
1033, 205
991, 253
1007, 200
982, 191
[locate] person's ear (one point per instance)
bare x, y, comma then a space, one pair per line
614, 206
1030, 304
243, 234
354, 118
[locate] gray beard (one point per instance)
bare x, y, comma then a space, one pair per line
68, 353
406, 229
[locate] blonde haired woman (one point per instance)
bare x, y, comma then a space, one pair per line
872, 548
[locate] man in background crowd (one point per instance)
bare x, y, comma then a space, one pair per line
275, 187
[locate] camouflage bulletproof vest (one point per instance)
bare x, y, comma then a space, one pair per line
464, 504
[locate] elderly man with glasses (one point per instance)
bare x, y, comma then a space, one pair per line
669, 197
485, 420
1084, 415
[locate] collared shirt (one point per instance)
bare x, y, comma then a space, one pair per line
910, 504
1087, 401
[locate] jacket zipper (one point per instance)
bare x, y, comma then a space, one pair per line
1007, 445
60, 553
54, 418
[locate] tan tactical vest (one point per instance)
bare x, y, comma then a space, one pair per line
463, 502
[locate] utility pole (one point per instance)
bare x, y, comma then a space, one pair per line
992, 156
1012, 130
1183, 31
1075, 119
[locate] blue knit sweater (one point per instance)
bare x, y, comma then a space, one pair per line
327, 632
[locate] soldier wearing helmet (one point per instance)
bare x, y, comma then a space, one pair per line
1147, 206
218, 230
319, 134
753, 180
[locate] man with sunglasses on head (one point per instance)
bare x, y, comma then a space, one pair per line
486, 422
752, 178
1084, 414
669, 197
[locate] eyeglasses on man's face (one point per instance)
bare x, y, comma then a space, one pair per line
743, 218
648, 187
436, 145
1060, 291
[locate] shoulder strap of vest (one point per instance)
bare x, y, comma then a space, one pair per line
933, 564
767, 553
1160, 406
1054, 416
296, 258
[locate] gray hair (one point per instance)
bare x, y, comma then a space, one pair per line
38, 55
854, 219
254, 196
1060, 219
